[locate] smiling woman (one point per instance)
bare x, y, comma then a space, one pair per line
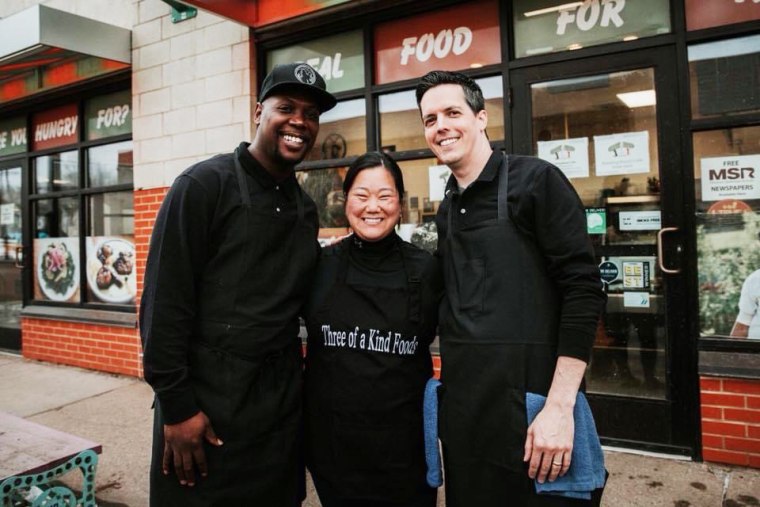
371, 317
374, 187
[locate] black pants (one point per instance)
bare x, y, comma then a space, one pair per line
328, 498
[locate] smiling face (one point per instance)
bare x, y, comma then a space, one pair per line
453, 131
373, 206
287, 126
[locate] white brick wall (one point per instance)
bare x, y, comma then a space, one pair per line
191, 87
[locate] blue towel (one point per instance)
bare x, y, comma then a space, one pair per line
430, 424
586, 471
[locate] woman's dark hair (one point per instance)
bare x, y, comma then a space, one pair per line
473, 95
370, 160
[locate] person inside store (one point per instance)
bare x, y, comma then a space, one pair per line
230, 263
518, 317
747, 324
371, 318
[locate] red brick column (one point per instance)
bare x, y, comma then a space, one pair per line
731, 420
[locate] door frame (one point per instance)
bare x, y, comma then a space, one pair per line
13, 341
676, 420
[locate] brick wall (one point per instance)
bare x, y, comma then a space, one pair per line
105, 348
731, 421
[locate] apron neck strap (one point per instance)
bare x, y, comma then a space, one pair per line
503, 211
299, 202
245, 196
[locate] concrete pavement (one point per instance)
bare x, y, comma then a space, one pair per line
115, 411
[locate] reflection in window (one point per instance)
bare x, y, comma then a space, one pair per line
342, 132
111, 214
601, 132
724, 78
10, 211
401, 126
617, 111
728, 230
53, 173
110, 164
325, 186
56, 218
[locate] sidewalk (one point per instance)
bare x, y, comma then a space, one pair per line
115, 411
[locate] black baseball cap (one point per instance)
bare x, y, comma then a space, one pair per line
298, 76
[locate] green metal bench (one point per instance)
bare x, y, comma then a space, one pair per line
32, 456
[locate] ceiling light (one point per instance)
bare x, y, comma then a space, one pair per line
562, 7
638, 99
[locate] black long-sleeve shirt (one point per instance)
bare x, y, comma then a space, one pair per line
198, 253
543, 205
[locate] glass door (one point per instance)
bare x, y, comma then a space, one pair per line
610, 125
11, 293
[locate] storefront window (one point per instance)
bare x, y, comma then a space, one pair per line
724, 77
342, 132
90, 258
53, 173
12, 136
338, 58
111, 275
56, 249
401, 125
709, 13
425, 181
460, 37
601, 132
727, 176
110, 164
548, 26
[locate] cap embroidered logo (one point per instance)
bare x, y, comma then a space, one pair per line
305, 74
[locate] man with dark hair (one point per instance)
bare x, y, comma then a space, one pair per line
230, 262
523, 297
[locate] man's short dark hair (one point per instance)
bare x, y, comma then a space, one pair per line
473, 95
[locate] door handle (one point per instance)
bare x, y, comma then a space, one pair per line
660, 234
19, 257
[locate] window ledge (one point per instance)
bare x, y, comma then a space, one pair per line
729, 364
85, 315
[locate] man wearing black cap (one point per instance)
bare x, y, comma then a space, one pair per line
231, 257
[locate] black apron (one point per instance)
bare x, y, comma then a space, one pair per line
364, 388
499, 323
250, 389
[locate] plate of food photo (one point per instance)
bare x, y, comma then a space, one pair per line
57, 272
111, 270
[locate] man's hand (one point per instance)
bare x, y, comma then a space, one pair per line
549, 444
183, 446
